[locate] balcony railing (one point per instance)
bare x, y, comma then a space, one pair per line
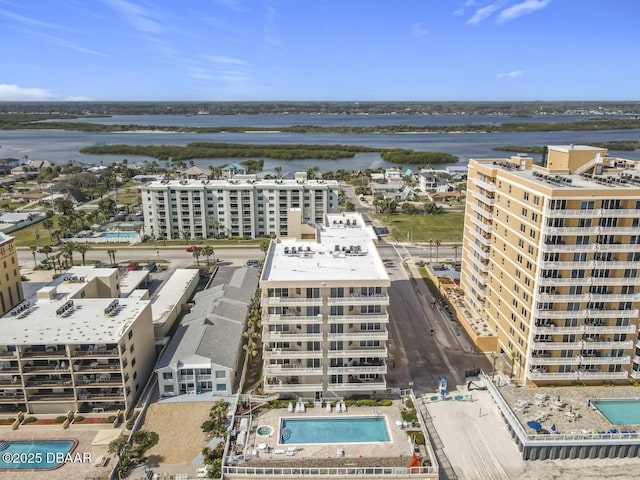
593, 213
359, 335
291, 370
48, 382
50, 397
359, 300
482, 198
358, 352
295, 335
357, 370
489, 187
275, 301
552, 375
293, 387
556, 345
95, 353
282, 353
365, 317
607, 345
45, 368
554, 360
7, 354
95, 367
364, 385
43, 353
487, 227
287, 319
624, 359
593, 375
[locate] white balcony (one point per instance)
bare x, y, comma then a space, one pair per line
559, 313
481, 266
359, 335
489, 187
293, 387
482, 251
358, 352
613, 313
291, 370
487, 227
615, 280
290, 354
624, 359
478, 236
562, 248
291, 336
613, 329
357, 370
365, 317
557, 213
288, 301
570, 230
360, 386
549, 330
552, 375
554, 360
593, 375
485, 213
360, 300
616, 247
635, 374
615, 297
556, 345
607, 345
289, 319
550, 297
567, 265
483, 198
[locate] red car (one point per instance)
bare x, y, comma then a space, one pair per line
193, 248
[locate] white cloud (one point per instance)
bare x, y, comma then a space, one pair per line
510, 75
28, 20
482, 14
14, 93
78, 99
520, 9
140, 18
226, 60
419, 30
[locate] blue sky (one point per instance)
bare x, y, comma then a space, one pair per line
370, 50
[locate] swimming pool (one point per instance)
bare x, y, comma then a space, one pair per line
619, 412
333, 430
40, 455
118, 234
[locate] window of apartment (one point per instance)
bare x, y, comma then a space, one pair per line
523, 227
525, 195
582, 240
130, 334
529, 265
534, 217
558, 204
221, 374
168, 389
524, 212
587, 205
370, 308
369, 343
370, 326
584, 222
520, 243
527, 281
519, 258
133, 363
336, 292
131, 348
278, 292
221, 387
536, 200
167, 375
611, 204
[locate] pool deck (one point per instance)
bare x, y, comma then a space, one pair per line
396, 451
85, 437
572, 399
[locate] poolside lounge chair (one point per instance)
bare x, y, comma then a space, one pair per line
290, 451
340, 452
343, 407
328, 407
290, 407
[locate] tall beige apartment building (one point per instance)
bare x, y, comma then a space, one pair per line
10, 284
550, 265
325, 310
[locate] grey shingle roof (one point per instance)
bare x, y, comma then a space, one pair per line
213, 329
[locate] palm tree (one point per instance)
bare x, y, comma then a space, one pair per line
196, 255
48, 224
455, 253
207, 251
438, 243
67, 250
33, 249
112, 255
82, 249
431, 249
251, 348
494, 358
264, 246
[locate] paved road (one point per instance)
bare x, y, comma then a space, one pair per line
418, 355
178, 257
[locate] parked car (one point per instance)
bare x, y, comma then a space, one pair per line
45, 250
193, 248
253, 263
132, 266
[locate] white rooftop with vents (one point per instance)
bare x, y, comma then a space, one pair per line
344, 249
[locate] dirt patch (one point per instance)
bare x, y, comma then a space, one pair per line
86, 421
178, 426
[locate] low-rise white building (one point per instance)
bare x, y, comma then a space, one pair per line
238, 207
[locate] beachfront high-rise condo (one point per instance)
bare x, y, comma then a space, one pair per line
325, 310
10, 284
550, 265
241, 206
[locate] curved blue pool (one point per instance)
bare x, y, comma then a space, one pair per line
333, 430
37, 454
118, 234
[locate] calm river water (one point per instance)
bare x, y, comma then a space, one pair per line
64, 146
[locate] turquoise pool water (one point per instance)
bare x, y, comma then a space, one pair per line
333, 430
41, 455
619, 412
118, 234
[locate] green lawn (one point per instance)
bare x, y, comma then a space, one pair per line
446, 227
